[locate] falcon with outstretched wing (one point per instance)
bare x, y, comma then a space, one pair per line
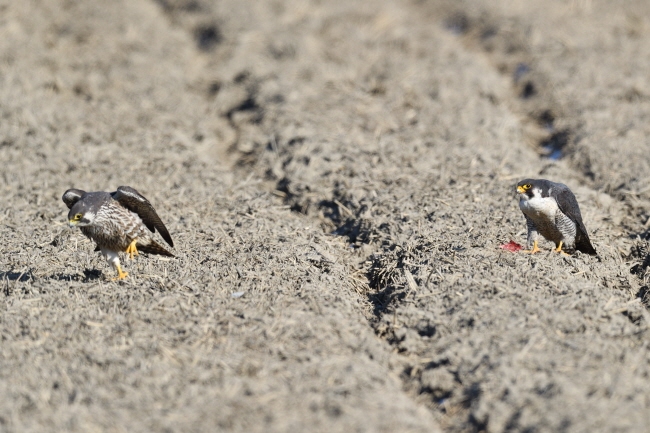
120, 221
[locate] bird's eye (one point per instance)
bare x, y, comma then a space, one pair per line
78, 216
528, 186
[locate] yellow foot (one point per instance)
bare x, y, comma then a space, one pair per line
131, 250
559, 249
120, 273
534, 250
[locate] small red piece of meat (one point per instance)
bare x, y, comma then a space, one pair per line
511, 246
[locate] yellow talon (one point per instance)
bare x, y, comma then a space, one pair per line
559, 249
120, 273
534, 250
131, 250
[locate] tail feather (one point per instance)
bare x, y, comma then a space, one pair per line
583, 244
154, 248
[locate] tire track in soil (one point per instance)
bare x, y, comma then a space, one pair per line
548, 129
248, 101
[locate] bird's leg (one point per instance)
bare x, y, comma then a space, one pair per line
113, 258
131, 250
559, 249
120, 273
532, 236
534, 250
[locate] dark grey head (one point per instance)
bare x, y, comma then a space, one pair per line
529, 188
84, 209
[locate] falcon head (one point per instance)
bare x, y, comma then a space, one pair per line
83, 206
81, 214
532, 188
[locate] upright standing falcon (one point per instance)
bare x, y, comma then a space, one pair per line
552, 210
117, 221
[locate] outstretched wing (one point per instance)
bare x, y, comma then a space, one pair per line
136, 202
568, 204
71, 196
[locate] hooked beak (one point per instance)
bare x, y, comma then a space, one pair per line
521, 190
72, 223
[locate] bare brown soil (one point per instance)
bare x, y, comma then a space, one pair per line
337, 177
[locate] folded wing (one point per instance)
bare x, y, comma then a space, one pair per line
569, 206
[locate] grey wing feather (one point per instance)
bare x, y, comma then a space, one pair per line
568, 204
136, 202
71, 196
